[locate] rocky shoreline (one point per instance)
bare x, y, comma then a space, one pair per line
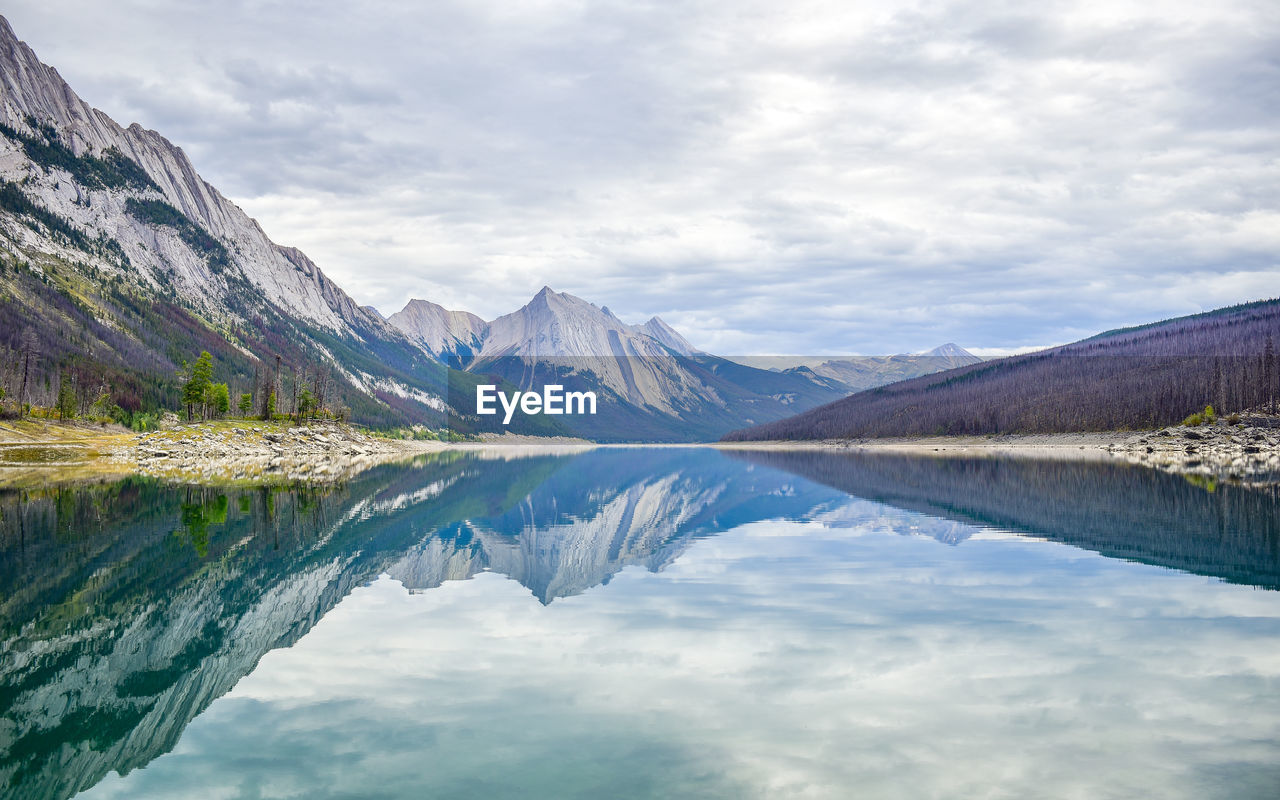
1248, 451
316, 453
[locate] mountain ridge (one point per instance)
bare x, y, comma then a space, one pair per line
118, 263
1141, 377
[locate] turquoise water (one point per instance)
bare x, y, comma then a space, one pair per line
647, 623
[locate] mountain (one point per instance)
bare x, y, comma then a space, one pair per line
652, 384
857, 373
450, 336
954, 352
868, 372
118, 262
667, 335
1140, 377
552, 324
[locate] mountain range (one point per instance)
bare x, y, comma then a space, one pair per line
867, 372
653, 384
119, 264
1141, 377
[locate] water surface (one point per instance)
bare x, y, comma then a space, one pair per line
646, 623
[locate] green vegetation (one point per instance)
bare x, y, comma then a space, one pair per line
142, 422
15, 201
219, 398
199, 390
307, 403
66, 398
158, 212
112, 170
1206, 417
199, 377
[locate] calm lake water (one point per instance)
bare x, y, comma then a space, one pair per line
647, 623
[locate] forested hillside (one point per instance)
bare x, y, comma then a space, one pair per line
1132, 378
120, 265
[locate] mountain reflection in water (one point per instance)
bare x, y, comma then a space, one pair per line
127, 609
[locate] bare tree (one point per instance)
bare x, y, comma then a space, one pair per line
1268, 374
30, 350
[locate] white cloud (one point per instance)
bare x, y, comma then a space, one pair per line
936, 172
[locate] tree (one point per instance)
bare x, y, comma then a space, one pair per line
30, 346
246, 403
1268, 376
267, 390
219, 398
66, 396
306, 403
194, 391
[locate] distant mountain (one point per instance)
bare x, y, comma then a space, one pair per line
1140, 377
118, 263
668, 336
450, 336
652, 384
552, 324
867, 372
952, 351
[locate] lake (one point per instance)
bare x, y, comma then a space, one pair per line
636, 623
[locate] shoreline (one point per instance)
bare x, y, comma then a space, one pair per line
1092, 445
35, 454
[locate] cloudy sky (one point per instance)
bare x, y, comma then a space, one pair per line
799, 178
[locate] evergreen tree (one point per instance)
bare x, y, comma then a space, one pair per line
306, 403
219, 398
246, 404
196, 388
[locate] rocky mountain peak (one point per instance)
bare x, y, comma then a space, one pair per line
443, 333
668, 335
950, 350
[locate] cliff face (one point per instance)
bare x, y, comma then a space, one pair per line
30, 90
118, 256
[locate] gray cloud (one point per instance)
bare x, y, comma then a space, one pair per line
769, 178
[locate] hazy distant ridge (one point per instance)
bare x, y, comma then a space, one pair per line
1139, 377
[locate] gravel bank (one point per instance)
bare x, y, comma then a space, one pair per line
1249, 451
317, 453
